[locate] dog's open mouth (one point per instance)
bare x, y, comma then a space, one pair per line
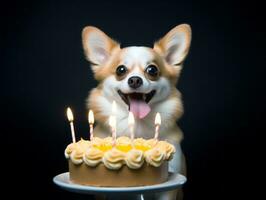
138, 102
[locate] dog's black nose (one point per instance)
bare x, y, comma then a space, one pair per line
135, 82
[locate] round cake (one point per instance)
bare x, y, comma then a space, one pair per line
126, 163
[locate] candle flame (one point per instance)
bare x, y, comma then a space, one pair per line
131, 120
91, 117
114, 108
70, 115
157, 119
112, 121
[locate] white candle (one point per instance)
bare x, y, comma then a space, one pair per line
91, 122
71, 119
157, 125
131, 122
112, 124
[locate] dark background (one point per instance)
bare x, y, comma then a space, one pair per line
43, 70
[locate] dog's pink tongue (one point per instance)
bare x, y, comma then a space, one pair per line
139, 108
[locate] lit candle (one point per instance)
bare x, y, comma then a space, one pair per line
112, 122
131, 122
157, 125
71, 119
91, 122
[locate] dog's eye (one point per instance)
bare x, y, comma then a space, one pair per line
152, 70
121, 70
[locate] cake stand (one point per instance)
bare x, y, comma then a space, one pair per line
137, 193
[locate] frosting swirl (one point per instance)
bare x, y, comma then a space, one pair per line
123, 144
134, 159
168, 148
77, 155
97, 141
155, 157
93, 156
141, 144
108, 140
69, 150
102, 144
84, 143
151, 142
113, 159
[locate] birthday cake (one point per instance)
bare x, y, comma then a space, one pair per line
126, 163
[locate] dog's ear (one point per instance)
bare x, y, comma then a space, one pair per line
97, 46
174, 46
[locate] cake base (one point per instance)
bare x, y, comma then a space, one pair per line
124, 177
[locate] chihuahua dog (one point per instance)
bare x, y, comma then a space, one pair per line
141, 80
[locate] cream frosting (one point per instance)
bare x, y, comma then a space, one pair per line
168, 148
84, 144
155, 157
114, 159
125, 152
139, 142
93, 156
69, 149
134, 159
76, 155
102, 144
151, 142
123, 144
97, 141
